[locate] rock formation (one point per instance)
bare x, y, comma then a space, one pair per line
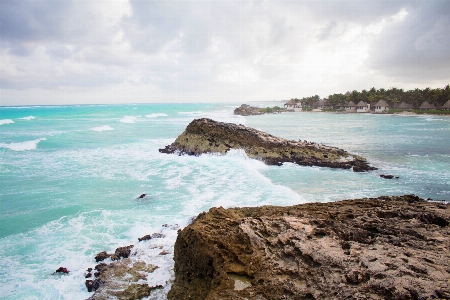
208, 136
379, 248
247, 110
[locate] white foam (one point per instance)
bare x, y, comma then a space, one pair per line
190, 113
128, 119
155, 115
6, 121
23, 146
28, 118
102, 128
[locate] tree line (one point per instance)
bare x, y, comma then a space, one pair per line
392, 96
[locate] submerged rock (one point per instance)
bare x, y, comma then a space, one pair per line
62, 270
377, 248
208, 136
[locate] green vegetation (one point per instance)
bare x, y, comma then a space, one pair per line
392, 96
269, 110
432, 111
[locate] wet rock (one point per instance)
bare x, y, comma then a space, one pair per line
388, 176
145, 238
93, 285
378, 248
121, 252
102, 256
158, 236
62, 270
142, 196
208, 136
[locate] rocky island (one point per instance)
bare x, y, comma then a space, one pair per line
379, 248
209, 136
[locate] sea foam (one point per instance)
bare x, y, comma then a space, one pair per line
128, 119
6, 121
102, 128
28, 118
155, 115
23, 146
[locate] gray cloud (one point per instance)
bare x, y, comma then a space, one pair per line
417, 48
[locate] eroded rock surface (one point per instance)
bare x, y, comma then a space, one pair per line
378, 248
208, 136
247, 110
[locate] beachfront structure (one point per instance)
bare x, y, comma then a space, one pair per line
321, 104
381, 106
298, 107
350, 107
446, 106
290, 105
362, 107
405, 106
427, 106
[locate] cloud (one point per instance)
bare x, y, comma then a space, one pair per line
417, 47
222, 50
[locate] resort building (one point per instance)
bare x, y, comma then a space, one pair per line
405, 106
362, 107
381, 106
321, 104
350, 107
290, 105
446, 106
427, 106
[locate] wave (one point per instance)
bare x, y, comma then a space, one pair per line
102, 128
190, 113
6, 121
23, 146
128, 119
28, 118
155, 115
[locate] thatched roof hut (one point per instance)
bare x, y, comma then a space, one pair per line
427, 105
405, 105
361, 103
351, 104
291, 102
446, 105
382, 103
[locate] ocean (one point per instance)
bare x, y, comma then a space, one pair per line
70, 178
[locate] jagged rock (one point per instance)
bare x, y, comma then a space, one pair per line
145, 238
208, 136
247, 110
378, 248
102, 256
121, 252
62, 270
119, 279
158, 235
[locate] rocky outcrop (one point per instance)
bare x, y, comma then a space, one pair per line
121, 280
377, 248
247, 110
208, 136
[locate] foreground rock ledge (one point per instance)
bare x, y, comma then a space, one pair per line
208, 136
380, 248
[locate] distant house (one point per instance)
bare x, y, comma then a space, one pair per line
427, 106
321, 104
405, 106
362, 107
446, 106
347, 94
381, 106
350, 107
340, 106
298, 107
290, 105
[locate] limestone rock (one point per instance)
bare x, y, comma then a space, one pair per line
208, 136
247, 110
378, 248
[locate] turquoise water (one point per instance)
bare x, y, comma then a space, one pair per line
70, 176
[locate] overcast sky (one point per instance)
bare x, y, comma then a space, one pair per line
131, 51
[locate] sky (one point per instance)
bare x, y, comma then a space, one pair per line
237, 51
